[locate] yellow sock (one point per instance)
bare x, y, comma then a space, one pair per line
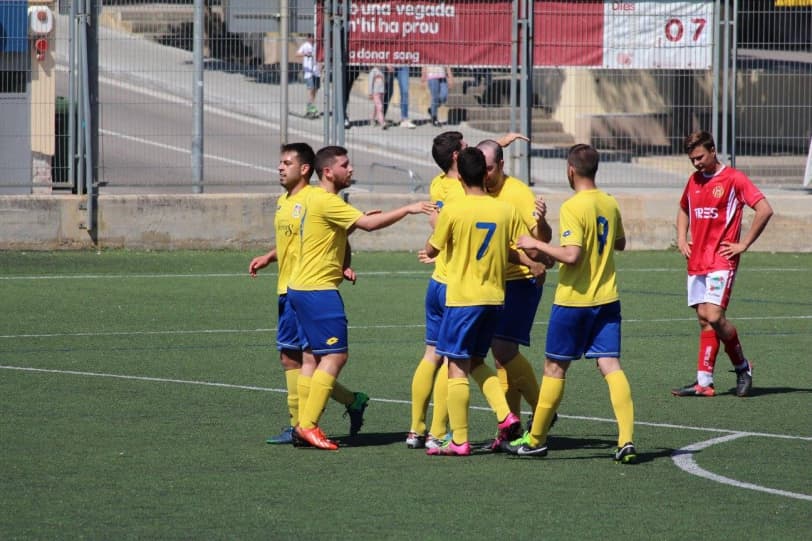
512, 394
459, 397
342, 395
303, 386
439, 416
550, 395
422, 384
620, 393
523, 379
292, 384
320, 388
488, 382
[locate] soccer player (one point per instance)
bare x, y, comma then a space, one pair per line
295, 169
711, 206
476, 231
585, 318
431, 374
524, 284
313, 286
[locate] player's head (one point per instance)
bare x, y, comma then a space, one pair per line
333, 165
296, 162
444, 148
472, 168
495, 163
701, 151
582, 160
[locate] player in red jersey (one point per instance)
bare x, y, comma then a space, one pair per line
712, 206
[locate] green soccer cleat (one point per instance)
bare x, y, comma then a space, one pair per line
626, 454
523, 447
356, 412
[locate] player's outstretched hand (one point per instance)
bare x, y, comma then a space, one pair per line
422, 207
508, 138
526, 242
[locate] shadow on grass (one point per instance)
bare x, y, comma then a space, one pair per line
764, 391
372, 439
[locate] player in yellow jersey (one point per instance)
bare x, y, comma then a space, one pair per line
476, 233
585, 318
523, 288
295, 169
313, 287
431, 375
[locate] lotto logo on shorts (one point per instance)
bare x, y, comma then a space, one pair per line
332, 341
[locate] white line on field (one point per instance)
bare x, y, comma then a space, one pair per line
165, 332
682, 457
273, 274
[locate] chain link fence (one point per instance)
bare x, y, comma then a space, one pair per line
631, 78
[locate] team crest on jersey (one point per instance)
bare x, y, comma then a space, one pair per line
297, 210
718, 191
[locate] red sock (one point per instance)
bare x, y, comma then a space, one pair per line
708, 349
733, 348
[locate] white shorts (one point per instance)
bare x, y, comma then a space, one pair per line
713, 288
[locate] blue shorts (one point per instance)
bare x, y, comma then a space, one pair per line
322, 319
435, 307
522, 299
467, 331
288, 335
589, 332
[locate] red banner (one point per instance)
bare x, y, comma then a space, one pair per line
636, 34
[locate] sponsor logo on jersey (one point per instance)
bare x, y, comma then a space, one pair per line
706, 213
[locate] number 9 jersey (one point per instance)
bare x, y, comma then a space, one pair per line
589, 219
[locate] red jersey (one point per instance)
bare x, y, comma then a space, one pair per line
715, 207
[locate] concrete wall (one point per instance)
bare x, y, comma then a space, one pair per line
168, 222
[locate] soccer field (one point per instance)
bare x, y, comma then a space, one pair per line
138, 388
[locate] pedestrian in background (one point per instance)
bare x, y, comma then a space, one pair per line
439, 80
377, 87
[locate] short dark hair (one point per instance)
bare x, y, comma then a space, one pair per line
444, 147
584, 159
305, 154
471, 166
327, 155
698, 138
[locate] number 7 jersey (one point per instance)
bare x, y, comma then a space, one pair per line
475, 232
589, 219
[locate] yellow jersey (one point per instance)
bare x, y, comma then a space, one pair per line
443, 190
519, 194
286, 222
475, 233
589, 219
323, 235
